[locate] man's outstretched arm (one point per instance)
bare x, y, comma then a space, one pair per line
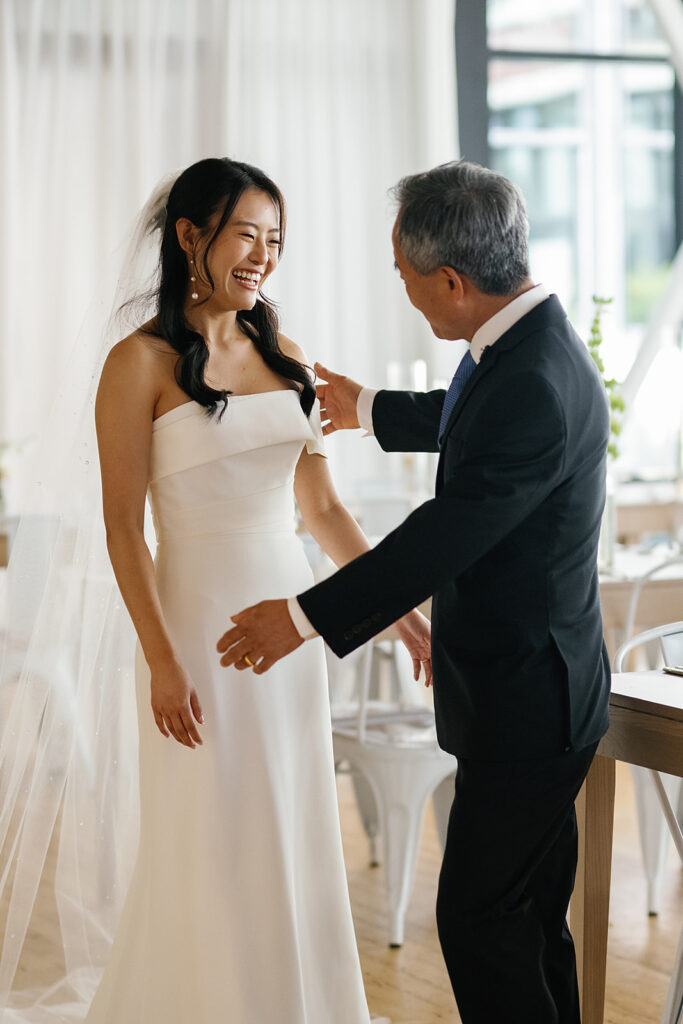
515, 460
402, 421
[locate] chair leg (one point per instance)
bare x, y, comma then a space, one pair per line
395, 682
367, 808
673, 1008
375, 669
402, 791
442, 798
654, 833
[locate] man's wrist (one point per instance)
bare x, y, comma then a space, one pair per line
301, 621
364, 403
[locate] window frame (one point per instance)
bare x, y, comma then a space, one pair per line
473, 55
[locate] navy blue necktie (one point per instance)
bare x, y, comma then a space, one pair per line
465, 369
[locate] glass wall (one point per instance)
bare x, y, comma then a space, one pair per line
581, 116
617, 26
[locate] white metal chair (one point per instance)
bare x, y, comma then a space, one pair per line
666, 787
396, 765
654, 836
631, 622
389, 745
673, 1007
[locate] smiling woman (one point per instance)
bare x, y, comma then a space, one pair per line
237, 902
223, 236
221, 486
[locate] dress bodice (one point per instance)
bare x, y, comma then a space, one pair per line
229, 475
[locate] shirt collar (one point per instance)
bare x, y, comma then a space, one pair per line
504, 319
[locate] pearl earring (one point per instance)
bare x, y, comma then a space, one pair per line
193, 279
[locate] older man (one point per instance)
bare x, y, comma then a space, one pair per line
507, 548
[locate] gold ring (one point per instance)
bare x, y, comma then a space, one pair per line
249, 663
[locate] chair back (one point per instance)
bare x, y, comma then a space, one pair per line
670, 639
630, 622
672, 648
382, 711
401, 717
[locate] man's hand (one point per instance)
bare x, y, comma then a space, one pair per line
338, 400
261, 636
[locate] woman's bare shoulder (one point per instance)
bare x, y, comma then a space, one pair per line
137, 370
143, 348
291, 349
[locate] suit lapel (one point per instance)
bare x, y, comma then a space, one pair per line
541, 316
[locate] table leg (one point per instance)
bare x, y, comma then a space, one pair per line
590, 901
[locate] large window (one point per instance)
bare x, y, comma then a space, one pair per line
576, 101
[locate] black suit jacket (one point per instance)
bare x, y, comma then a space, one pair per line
507, 548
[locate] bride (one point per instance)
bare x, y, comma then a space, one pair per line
238, 906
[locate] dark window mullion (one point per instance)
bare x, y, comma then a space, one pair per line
678, 164
574, 55
472, 79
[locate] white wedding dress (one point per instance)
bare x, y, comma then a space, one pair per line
238, 909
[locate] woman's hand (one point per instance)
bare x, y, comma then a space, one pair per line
175, 703
416, 633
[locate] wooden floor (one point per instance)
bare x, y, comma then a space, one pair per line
411, 985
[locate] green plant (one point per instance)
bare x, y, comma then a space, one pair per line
616, 402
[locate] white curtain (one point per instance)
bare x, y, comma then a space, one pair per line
99, 98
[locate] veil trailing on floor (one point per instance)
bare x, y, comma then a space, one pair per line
68, 720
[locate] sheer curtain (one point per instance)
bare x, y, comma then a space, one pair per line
99, 99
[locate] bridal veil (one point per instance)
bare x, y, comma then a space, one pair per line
68, 739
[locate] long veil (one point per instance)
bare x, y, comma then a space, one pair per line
68, 721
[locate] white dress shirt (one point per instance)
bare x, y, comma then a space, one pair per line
487, 334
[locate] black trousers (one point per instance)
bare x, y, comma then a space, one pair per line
507, 875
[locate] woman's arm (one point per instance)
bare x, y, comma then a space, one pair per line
124, 412
336, 531
327, 520
334, 528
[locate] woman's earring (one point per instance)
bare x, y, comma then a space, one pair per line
193, 279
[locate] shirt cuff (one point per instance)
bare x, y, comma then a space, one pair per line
300, 619
364, 410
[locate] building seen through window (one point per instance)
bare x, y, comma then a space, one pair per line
581, 113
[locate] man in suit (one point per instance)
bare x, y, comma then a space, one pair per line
507, 549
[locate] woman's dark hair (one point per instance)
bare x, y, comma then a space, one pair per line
208, 187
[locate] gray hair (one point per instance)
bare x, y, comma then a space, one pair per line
467, 217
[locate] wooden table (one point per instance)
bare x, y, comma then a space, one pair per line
646, 728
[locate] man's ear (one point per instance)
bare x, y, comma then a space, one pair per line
453, 281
